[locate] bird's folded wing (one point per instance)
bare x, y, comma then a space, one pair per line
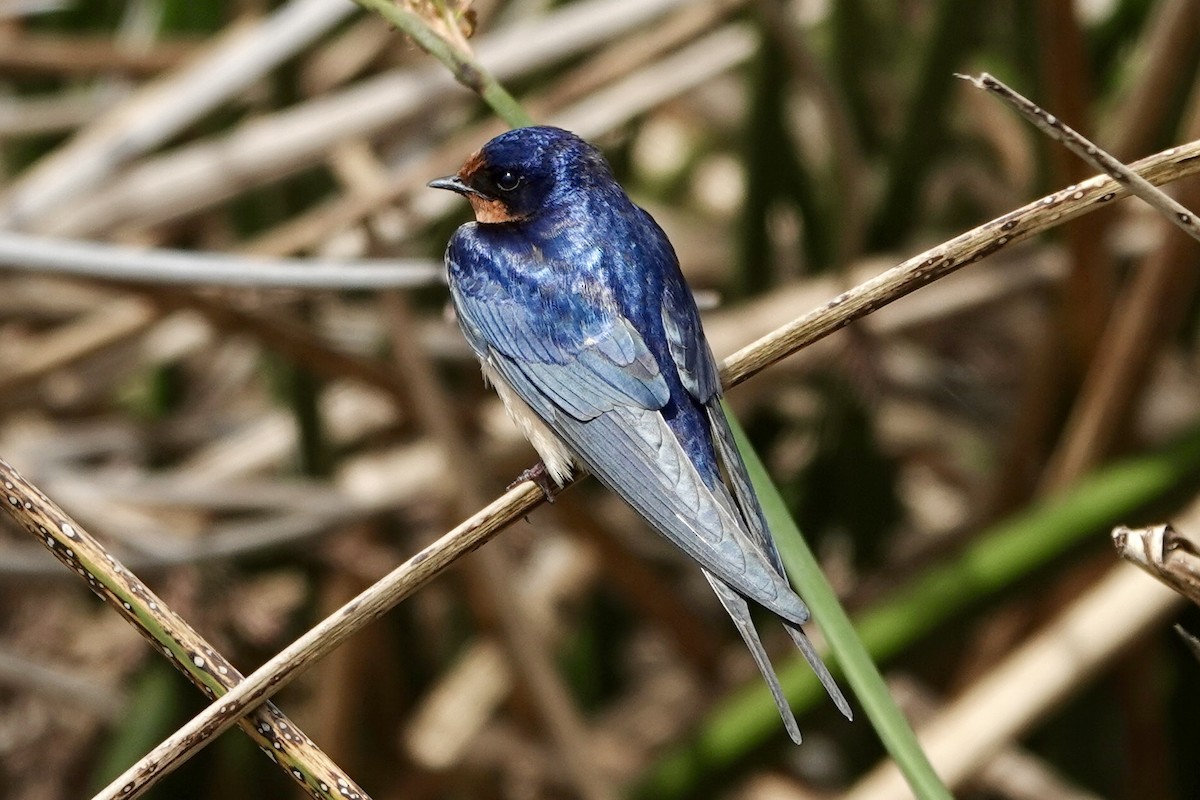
739, 479
632, 451
686, 341
584, 369
598, 387
699, 374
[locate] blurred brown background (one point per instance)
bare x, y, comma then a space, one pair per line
260, 455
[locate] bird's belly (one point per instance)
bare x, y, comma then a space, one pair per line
554, 453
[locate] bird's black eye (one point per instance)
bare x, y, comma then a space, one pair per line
507, 181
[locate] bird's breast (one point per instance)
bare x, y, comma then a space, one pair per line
549, 446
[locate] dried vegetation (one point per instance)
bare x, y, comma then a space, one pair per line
224, 352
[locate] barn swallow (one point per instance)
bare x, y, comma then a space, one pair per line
572, 298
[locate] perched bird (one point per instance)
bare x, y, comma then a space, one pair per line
572, 298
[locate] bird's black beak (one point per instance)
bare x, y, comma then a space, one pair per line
453, 183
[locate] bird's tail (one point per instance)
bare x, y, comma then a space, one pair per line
818, 666
756, 523
737, 608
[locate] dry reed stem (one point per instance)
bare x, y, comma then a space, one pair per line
598, 113
332, 631
967, 248
184, 647
1171, 557
274, 145
1056, 129
1071, 346
1036, 217
54, 256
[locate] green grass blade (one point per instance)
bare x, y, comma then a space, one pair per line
851, 654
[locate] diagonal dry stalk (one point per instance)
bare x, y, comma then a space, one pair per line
189, 178
897, 283
184, 647
1056, 129
893, 284
51, 255
967, 248
590, 111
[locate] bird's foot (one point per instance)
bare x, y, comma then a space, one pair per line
540, 476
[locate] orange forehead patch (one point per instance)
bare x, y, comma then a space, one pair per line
491, 211
472, 165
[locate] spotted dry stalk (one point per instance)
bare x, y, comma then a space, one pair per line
967, 248
439, 19
1058, 130
186, 649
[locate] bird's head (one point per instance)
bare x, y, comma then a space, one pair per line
523, 172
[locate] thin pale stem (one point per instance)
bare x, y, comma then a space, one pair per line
460, 61
47, 254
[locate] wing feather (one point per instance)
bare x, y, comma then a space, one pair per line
586, 373
633, 452
743, 489
686, 342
